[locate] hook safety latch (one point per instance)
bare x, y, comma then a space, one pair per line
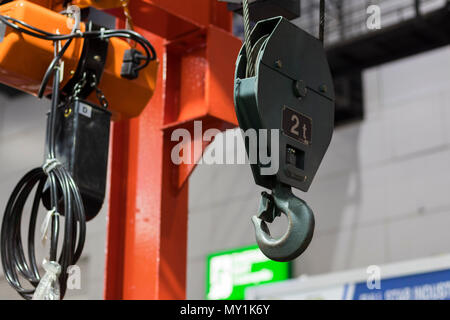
300, 224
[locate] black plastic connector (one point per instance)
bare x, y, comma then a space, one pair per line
131, 61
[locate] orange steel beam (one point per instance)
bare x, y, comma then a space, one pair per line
176, 18
148, 207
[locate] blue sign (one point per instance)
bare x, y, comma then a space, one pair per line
423, 286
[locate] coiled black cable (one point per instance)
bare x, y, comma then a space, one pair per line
62, 186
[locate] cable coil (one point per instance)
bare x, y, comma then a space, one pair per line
54, 176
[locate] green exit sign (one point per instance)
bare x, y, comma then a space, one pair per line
229, 273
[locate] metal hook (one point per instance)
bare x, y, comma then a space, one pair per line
300, 229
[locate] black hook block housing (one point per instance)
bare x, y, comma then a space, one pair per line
291, 91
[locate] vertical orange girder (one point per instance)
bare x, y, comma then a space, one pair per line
148, 207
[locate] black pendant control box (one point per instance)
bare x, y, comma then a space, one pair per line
81, 145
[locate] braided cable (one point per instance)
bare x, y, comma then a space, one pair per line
247, 42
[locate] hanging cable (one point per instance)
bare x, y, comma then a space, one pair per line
247, 31
322, 21
54, 176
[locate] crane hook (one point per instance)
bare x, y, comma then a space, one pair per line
300, 228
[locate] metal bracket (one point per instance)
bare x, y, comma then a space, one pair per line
91, 65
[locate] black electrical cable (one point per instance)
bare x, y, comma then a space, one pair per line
150, 53
322, 21
51, 67
61, 184
105, 34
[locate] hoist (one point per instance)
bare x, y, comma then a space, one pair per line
91, 74
283, 82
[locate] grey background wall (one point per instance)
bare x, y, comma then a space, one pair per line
381, 195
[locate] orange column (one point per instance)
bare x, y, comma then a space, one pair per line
148, 207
